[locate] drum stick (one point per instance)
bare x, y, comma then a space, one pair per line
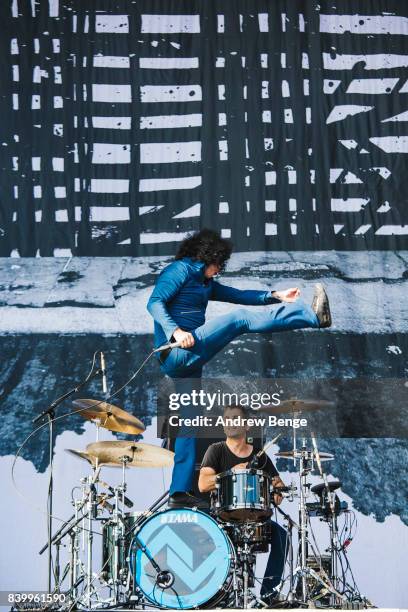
268, 445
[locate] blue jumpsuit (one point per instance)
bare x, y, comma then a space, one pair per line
180, 299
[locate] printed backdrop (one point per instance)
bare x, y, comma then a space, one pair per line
127, 124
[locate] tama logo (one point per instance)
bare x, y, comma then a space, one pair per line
179, 518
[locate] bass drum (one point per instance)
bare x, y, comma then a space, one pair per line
192, 559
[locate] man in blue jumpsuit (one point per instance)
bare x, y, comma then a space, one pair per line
178, 304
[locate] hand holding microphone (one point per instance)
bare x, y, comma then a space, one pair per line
183, 340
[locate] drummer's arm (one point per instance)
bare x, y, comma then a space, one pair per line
207, 479
277, 483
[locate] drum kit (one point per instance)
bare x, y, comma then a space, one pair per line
186, 558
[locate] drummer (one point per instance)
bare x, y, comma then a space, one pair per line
234, 454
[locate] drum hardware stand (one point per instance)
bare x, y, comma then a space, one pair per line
91, 515
49, 414
334, 542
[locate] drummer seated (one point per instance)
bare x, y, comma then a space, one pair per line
235, 454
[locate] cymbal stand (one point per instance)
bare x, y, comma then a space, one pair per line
92, 515
334, 540
118, 529
305, 459
304, 469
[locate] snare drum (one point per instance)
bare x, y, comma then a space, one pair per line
243, 495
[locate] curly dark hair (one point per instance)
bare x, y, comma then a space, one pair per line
207, 246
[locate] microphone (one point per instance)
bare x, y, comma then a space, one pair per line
103, 372
255, 459
166, 346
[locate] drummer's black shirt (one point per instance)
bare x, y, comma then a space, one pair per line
219, 457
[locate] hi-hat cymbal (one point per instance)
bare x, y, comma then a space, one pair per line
81, 455
290, 454
109, 416
297, 406
137, 454
321, 487
89, 458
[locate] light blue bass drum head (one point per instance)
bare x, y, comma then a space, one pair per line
192, 547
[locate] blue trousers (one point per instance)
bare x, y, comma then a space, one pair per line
276, 559
211, 338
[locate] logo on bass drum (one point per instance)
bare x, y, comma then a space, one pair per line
189, 517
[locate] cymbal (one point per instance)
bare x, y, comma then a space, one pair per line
321, 487
139, 454
88, 457
111, 417
296, 454
297, 406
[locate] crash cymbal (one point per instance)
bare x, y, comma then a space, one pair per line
139, 454
110, 417
297, 453
297, 406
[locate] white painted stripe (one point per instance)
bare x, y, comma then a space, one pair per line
54, 8
384, 208
151, 238
106, 153
330, 85
349, 144
111, 93
170, 121
170, 24
111, 61
392, 230
391, 144
192, 211
167, 152
61, 216
347, 178
167, 63
109, 185
400, 117
112, 123
145, 210
112, 24
348, 204
363, 24
372, 86
372, 62
170, 93
183, 182
404, 88
382, 171
263, 22
271, 229
362, 229
270, 177
109, 213
341, 111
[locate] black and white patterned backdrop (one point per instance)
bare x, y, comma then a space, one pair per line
127, 124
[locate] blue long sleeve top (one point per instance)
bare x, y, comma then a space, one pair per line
181, 294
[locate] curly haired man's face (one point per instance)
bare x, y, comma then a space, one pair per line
211, 270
